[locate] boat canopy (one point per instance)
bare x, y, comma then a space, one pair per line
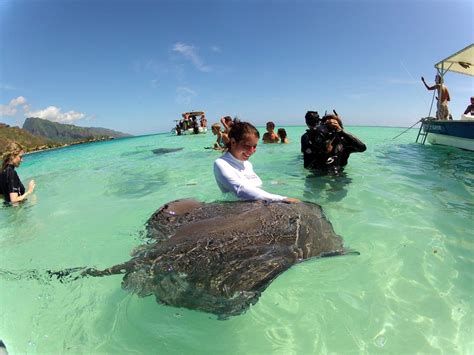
460, 62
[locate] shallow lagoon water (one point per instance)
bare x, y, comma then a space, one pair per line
407, 208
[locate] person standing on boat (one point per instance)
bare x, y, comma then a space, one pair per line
234, 173
203, 121
443, 97
10, 184
470, 109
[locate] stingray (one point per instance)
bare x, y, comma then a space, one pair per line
161, 151
219, 257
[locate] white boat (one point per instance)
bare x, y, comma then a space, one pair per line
186, 125
455, 133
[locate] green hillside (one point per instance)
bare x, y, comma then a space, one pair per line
67, 133
26, 139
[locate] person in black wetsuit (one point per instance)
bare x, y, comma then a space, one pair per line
312, 121
10, 184
328, 146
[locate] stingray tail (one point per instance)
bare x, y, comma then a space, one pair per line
64, 275
339, 252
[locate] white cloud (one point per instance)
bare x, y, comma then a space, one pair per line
216, 49
51, 113
20, 100
190, 52
10, 109
54, 114
6, 110
184, 95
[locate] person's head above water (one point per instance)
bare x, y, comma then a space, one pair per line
13, 155
312, 119
282, 133
270, 126
216, 128
243, 140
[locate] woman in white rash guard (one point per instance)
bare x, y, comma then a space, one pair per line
234, 173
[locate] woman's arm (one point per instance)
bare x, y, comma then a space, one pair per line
14, 197
229, 181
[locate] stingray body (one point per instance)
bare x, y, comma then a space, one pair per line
219, 257
161, 151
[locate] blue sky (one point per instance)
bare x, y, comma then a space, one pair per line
134, 66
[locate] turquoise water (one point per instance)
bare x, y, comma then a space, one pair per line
407, 208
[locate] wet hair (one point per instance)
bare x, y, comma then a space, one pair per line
13, 150
227, 118
332, 117
271, 124
240, 129
282, 133
312, 118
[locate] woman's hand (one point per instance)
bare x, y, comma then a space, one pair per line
291, 200
31, 186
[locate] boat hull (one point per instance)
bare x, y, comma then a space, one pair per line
458, 134
189, 131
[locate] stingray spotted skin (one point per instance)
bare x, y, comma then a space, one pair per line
219, 257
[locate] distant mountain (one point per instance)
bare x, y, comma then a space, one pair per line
27, 140
68, 133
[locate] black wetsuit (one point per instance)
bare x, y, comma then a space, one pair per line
334, 161
10, 183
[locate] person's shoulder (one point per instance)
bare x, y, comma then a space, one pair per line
223, 159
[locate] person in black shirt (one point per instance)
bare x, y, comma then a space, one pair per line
330, 146
10, 184
470, 109
307, 148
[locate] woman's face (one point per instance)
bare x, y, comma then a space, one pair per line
245, 148
17, 159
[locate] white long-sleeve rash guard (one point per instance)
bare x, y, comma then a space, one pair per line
238, 177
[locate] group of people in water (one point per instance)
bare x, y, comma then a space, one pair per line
325, 146
227, 123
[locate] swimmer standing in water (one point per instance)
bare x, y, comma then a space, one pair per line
234, 173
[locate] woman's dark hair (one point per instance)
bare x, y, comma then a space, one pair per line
271, 124
282, 133
240, 129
